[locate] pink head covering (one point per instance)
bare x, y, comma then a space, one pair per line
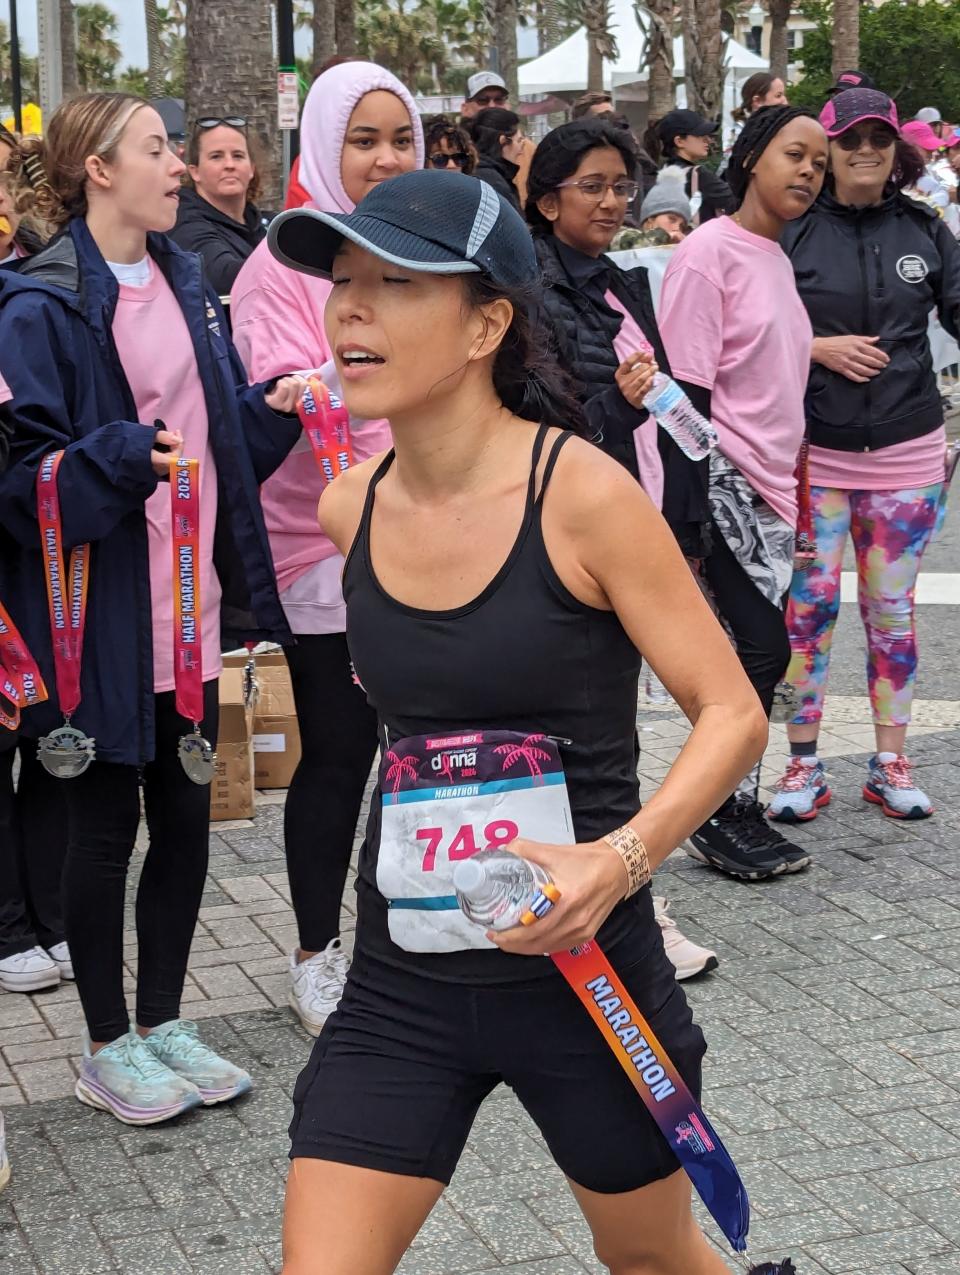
323, 126
922, 135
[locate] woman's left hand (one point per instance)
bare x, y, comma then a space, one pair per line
286, 394
591, 878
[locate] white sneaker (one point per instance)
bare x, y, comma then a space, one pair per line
60, 955
28, 971
687, 958
4, 1161
318, 985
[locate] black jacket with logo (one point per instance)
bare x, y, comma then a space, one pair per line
876, 271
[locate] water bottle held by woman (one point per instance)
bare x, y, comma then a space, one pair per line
498, 890
692, 432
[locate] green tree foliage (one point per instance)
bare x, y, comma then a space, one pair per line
29, 73
912, 51
98, 53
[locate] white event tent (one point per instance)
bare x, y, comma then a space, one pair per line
564, 68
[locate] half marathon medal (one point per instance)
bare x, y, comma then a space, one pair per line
196, 753
66, 752
326, 423
805, 548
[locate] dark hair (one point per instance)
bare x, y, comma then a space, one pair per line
437, 129
908, 165
560, 154
758, 85
526, 375
489, 125
581, 106
756, 135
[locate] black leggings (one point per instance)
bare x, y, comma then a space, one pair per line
104, 813
759, 628
33, 841
338, 734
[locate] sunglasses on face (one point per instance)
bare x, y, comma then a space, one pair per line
497, 99
214, 121
442, 160
593, 188
880, 139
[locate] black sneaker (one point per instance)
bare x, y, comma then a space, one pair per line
738, 840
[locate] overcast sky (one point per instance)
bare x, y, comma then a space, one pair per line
132, 39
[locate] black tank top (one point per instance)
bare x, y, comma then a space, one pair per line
525, 655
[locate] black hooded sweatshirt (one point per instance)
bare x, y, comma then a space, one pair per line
223, 244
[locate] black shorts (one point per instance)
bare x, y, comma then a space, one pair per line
399, 1072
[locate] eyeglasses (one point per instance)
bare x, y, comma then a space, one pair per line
214, 121
593, 188
880, 139
442, 160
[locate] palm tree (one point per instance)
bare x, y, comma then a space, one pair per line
657, 17
155, 58
346, 23
703, 51
324, 32
232, 68
601, 43
400, 768
779, 51
98, 52
526, 751
503, 14
846, 35
68, 49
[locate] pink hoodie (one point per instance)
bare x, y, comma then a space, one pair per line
277, 316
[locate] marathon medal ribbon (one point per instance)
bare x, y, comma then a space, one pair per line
443, 799
326, 423
66, 752
196, 753
20, 682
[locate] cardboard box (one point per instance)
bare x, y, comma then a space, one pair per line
276, 734
231, 793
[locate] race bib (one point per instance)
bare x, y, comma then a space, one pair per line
444, 798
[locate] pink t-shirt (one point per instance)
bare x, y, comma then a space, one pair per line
732, 322
157, 355
628, 341
916, 463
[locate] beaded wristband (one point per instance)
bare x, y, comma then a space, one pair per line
634, 855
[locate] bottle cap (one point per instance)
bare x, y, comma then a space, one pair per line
468, 876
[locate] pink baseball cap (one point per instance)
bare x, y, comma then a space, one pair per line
921, 134
853, 105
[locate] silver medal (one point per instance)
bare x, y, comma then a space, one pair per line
66, 752
197, 757
251, 687
786, 703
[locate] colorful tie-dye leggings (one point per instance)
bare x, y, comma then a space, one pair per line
890, 531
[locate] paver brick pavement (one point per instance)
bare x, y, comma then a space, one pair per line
833, 1072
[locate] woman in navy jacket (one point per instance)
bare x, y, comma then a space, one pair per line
84, 384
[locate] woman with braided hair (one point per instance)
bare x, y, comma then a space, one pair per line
738, 340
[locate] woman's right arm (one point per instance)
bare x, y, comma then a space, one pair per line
105, 474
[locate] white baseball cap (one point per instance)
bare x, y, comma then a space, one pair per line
484, 80
928, 115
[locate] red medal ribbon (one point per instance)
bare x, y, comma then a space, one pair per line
326, 423
187, 648
66, 598
20, 681
804, 510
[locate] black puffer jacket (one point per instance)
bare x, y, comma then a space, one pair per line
875, 271
224, 244
501, 175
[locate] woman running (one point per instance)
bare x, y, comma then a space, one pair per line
98, 417
493, 582
738, 340
871, 264
360, 127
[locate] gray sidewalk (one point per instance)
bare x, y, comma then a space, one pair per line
833, 1072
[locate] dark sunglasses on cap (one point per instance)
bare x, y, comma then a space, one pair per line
442, 160
214, 121
880, 139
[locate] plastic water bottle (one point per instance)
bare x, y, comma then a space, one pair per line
496, 888
674, 412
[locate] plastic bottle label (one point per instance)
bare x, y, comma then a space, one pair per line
442, 801
670, 396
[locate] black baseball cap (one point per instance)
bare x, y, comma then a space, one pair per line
427, 221
852, 79
683, 124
